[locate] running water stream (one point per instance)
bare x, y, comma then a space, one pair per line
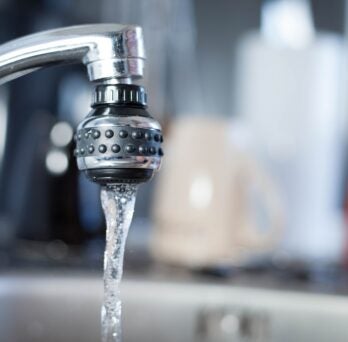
118, 204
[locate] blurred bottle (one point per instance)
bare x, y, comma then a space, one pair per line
289, 95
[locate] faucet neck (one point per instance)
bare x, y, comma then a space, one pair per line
109, 52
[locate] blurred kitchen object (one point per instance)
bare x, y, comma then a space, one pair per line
225, 325
6, 229
213, 206
289, 94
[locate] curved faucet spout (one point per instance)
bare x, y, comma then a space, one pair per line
109, 51
118, 142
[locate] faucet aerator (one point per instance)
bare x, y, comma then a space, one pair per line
119, 142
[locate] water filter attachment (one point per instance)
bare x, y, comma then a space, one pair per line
119, 142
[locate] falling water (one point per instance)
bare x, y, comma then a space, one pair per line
118, 204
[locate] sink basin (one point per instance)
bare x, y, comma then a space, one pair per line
59, 307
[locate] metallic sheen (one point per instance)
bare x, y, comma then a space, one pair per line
114, 57
109, 51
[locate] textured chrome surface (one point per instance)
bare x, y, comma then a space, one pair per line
108, 51
94, 147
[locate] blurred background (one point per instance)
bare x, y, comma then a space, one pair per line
250, 208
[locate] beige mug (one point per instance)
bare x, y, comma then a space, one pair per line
213, 204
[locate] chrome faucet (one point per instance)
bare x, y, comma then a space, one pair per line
118, 141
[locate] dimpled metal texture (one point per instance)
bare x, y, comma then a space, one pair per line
118, 141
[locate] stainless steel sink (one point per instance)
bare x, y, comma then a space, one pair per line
66, 307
